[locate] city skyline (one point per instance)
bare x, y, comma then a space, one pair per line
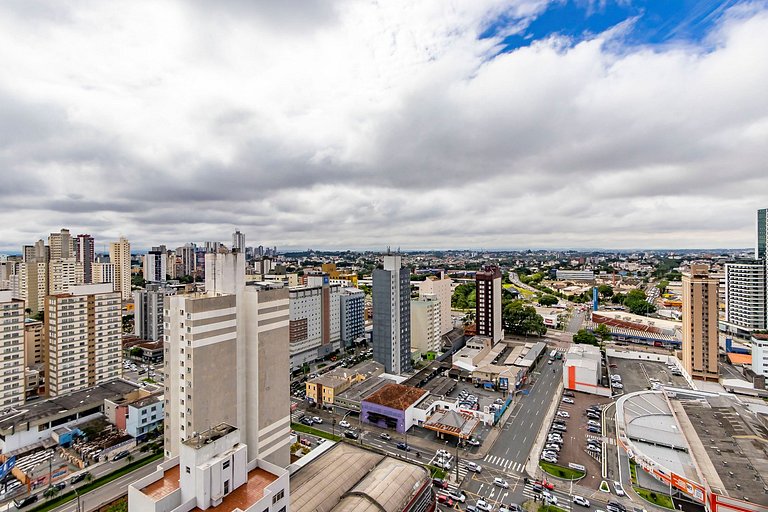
424, 125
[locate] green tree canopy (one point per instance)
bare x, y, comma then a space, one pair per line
636, 303
585, 337
603, 332
523, 320
548, 300
463, 297
605, 291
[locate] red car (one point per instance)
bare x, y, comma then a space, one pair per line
445, 500
547, 485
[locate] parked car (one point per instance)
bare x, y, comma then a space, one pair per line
501, 482
568, 400
618, 385
475, 467
549, 458
472, 441
561, 428
581, 500
121, 455
568, 394
594, 430
344, 424
563, 414
593, 423
552, 446
403, 446
619, 489
593, 448
385, 436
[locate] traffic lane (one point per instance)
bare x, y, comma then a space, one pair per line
479, 486
108, 492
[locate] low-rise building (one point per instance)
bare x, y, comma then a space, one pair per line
137, 413
392, 406
760, 354
323, 389
582, 370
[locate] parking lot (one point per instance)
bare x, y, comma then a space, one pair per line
636, 375
577, 436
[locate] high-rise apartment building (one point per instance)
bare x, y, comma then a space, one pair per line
12, 356
762, 234
352, 303
170, 264
63, 273
488, 303
392, 315
82, 344
120, 256
85, 253
759, 343
440, 288
33, 342
33, 283
103, 273
238, 241
60, 245
155, 262
700, 334
425, 324
315, 320
148, 311
745, 297
226, 356
187, 260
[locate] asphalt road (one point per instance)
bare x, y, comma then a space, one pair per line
576, 320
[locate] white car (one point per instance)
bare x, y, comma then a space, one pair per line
593, 423
483, 506
581, 500
618, 385
568, 400
317, 419
619, 489
563, 414
549, 498
344, 424
551, 460
472, 466
553, 446
443, 454
501, 482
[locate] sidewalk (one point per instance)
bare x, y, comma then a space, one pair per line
532, 467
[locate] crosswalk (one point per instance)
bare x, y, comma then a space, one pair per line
505, 464
454, 486
562, 501
601, 439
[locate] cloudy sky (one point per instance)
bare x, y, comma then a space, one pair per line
361, 123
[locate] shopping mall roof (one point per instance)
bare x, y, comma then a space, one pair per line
350, 478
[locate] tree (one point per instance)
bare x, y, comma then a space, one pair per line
51, 492
463, 297
618, 298
136, 352
523, 320
138, 281
636, 303
585, 337
548, 300
662, 286
605, 291
603, 332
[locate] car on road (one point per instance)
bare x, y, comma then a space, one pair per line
351, 434
60, 486
619, 489
501, 482
307, 421
512, 507
121, 455
483, 506
23, 502
537, 487
618, 385
615, 506
473, 441
385, 436
344, 424
317, 419
568, 400
544, 484
78, 478
563, 414
581, 500
549, 498
443, 464
403, 446
445, 500
439, 483
473, 466
458, 496
444, 454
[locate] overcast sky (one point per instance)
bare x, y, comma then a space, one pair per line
362, 124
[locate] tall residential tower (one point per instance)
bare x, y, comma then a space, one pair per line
700, 335
392, 315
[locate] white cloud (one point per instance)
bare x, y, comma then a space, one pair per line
362, 124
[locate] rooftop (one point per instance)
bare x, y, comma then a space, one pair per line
209, 436
452, 422
247, 494
739, 358
396, 396
165, 486
347, 477
359, 391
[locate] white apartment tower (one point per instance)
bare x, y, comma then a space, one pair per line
745, 296
120, 255
226, 356
60, 245
12, 344
155, 265
63, 273
103, 273
315, 319
82, 344
33, 283
425, 324
440, 288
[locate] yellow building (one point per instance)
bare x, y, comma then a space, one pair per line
323, 389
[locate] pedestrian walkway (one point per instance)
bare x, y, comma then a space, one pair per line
563, 501
601, 439
454, 485
504, 464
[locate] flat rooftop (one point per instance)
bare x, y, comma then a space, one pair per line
247, 494
350, 478
210, 435
165, 486
362, 389
396, 396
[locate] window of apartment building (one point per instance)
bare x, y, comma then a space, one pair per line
189, 471
225, 465
277, 497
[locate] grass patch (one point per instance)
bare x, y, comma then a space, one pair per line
300, 427
561, 471
524, 291
551, 508
436, 472
662, 500
604, 486
98, 482
149, 380
633, 471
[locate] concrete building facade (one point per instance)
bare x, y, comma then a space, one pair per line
12, 392
315, 320
120, 256
745, 295
33, 342
103, 273
64, 273
85, 254
392, 315
488, 303
760, 354
762, 234
426, 316
352, 315
440, 288
60, 245
82, 338
33, 283
155, 262
700, 333
148, 311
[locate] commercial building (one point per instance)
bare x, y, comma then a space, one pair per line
323, 390
700, 334
575, 275
137, 413
226, 361
745, 297
120, 256
488, 303
760, 354
440, 288
582, 370
85, 253
82, 330
215, 470
392, 315
63, 274
352, 315
33, 342
425, 324
346, 477
12, 392
33, 283
392, 406
155, 262
148, 311
315, 320
187, 260
762, 234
